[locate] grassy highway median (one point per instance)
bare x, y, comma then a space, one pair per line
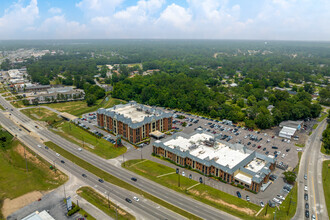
114, 180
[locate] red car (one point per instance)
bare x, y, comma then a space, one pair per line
273, 136
259, 146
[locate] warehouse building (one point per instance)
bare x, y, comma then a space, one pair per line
134, 121
289, 128
233, 163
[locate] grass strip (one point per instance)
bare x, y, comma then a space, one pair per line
103, 204
114, 180
300, 145
322, 117
315, 126
326, 182
204, 193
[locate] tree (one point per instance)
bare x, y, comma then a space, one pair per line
290, 176
264, 121
326, 138
90, 99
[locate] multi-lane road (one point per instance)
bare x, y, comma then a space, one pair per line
144, 209
311, 165
186, 203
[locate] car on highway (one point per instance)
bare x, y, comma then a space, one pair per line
305, 176
306, 205
306, 196
238, 194
39, 145
84, 175
62, 161
134, 179
136, 198
46, 147
57, 154
262, 204
306, 188
247, 198
128, 200
101, 180
307, 214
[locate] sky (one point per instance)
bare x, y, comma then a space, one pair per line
165, 19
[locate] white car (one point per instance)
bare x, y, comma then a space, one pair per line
79, 149
306, 188
280, 197
299, 149
57, 154
183, 174
136, 198
39, 145
262, 204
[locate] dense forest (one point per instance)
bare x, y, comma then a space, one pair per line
236, 80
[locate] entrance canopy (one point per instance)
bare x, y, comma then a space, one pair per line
157, 134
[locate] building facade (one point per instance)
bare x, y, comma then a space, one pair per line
134, 121
233, 163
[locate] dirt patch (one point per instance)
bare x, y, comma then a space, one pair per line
219, 201
10, 206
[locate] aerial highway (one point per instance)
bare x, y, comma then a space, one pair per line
184, 202
311, 166
142, 209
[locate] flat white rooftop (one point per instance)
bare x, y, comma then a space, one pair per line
132, 112
220, 153
255, 165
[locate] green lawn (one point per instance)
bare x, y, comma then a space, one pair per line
82, 212
114, 180
326, 182
80, 107
315, 126
103, 204
15, 181
216, 198
102, 148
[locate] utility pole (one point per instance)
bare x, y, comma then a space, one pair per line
179, 179
141, 153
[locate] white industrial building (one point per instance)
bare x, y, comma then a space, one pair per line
289, 128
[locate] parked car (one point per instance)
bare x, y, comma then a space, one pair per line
305, 176
101, 180
62, 161
306, 205
306, 188
134, 179
136, 198
247, 198
238, 194
84, 175
262, 204
128, 200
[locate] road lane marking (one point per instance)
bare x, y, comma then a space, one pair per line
314, 198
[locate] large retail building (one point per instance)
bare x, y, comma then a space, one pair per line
233, 163
134, 121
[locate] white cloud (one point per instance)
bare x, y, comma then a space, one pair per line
55, 10
59, 27
18, 18
175, 15
98, 7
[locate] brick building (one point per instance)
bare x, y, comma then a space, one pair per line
134, 121
233, 163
